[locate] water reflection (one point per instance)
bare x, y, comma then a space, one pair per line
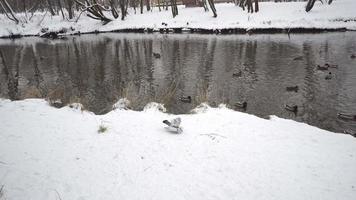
97, 70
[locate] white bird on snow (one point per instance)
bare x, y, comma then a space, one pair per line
174, 125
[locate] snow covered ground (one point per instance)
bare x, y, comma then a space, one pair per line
340, 14
49, 153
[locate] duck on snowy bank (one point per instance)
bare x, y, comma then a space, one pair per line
241, 105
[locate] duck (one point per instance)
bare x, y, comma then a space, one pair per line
298, 58
292, 88
322, 68
353, 56
241, 105
329, 76
56, 103
334, 66
292, 108
237, 74
186, 99
345, 116
156, 55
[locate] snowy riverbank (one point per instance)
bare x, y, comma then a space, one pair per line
278, 16
49, 153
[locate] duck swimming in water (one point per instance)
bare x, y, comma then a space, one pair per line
322, 68
292, 108
329, 76
345, 116
186, 99
157, 55
237, 74
298, 58
241, 105
292, 88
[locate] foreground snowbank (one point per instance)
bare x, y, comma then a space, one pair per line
340, 15
49, 153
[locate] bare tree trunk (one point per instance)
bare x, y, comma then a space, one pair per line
123, 8
24, 8
7, 8
61, 8
242, 4
148, 6
94, 10
50, 7
310, 5
174, 8
133, 3
256, 6
159, 5
141, 6
113, 4
249, 6
205, 6
70, 8
212, 7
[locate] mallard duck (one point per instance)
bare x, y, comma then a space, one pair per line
298, 58
333, 66
292, 108
157, 55
346, 116
186, 99
353, 56
322, 68
57, 103
241, 105
237, 74
292, 88
329, 76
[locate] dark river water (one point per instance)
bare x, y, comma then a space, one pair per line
97, 70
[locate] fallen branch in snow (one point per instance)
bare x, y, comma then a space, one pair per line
95, 11
311, 3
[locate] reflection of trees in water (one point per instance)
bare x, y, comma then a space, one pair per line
242, 60
309, 80
205, 69
11, 70
250, 62
315, 97
9, 77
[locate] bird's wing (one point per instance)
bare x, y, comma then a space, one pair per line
176, 122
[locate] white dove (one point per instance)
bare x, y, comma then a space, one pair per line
174, 124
